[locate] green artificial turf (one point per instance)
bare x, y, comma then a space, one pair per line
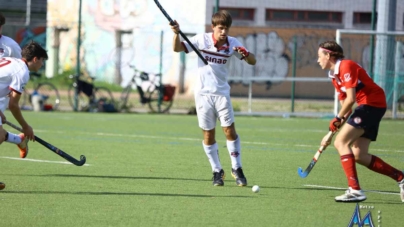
151, 170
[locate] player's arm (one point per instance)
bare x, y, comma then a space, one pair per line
3, 117
177, 45
246, 55
251, 59
347, 103
2, 131
14, 108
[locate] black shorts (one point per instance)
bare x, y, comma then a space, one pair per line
368, 118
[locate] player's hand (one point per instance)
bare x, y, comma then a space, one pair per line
241, 50
325, 142
3, 117
28, 132
335, 123
175, 27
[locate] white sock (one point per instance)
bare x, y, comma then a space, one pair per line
13, 138
213, 155
234, 149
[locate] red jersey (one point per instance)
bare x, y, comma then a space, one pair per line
348, 74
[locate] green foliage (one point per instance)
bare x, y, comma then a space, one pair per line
64, 80
236, 107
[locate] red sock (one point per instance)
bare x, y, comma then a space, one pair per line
348, 164
379, 166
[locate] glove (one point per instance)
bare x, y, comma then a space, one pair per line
335, 123
243, 51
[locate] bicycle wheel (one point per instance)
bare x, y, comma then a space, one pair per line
154, 102
50, 95
103, 93
129, 99
82, 101
25, 100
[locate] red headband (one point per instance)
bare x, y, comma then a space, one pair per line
326, 50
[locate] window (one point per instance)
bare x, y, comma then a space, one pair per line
303, 16
241, 13
363, 18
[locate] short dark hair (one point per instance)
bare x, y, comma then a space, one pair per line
334, 49
222, 17
33, 49
2, 19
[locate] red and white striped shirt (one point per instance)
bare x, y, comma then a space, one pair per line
213, 77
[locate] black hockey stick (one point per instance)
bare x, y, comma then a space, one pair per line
54, 149
306, 172
181, 33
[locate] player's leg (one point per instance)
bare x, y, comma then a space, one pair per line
19, 139
226, 117
361, 150
207, 122
348, 135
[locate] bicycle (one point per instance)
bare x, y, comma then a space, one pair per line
159, 97
47, 95
90, 98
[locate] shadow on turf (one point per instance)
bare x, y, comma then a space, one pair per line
333, 189
320, 189
122, 177
110, 177
122, 193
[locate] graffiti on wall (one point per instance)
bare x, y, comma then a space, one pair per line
26, 35
272, 61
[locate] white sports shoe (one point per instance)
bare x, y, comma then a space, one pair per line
351, 195
401, 185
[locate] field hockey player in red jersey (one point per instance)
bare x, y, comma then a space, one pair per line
354, 85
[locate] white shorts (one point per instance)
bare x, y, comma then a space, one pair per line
4, 103
212, 107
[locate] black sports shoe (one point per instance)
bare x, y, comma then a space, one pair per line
218, 178
239, 176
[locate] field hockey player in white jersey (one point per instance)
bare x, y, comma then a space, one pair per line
14, 75
212, 91
10, 48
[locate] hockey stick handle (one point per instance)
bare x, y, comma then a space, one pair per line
53, 148
329, 136
306, 172
181, 33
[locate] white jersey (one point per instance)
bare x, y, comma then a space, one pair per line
14, 75
9, 48
213, 77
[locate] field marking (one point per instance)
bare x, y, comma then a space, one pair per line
194, 139
38, 160
330, 187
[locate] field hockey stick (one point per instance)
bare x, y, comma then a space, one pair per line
181, 33
306, 172
54, 149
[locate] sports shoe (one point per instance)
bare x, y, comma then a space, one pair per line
351, 195
401, 185
239, 176
218, 178
23, 146
2, 185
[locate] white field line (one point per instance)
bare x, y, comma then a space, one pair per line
329, 187
39, 160
197, 139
